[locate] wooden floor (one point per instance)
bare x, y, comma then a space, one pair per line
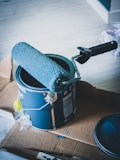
59, 27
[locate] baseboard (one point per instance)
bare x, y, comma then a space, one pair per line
107, 16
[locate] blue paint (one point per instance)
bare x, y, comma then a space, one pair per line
106, 4
60, 137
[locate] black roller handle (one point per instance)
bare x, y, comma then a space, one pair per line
86, 53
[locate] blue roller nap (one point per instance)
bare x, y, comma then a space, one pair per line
40, 66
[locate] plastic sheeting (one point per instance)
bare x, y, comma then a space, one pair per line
6, 123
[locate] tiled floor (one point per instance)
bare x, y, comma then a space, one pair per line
59, 27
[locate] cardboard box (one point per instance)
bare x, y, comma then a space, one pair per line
92, 105
8, 88
16, 141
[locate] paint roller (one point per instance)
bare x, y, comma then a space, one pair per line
40, 66
47, 71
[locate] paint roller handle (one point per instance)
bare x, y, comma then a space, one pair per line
102, 48
86, 53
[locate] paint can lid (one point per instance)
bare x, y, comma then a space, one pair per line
107, 135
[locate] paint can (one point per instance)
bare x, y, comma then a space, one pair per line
47, 110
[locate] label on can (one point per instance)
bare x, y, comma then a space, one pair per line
68, 103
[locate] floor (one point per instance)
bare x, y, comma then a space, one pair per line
59, 27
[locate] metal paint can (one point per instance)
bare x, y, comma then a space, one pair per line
36, 99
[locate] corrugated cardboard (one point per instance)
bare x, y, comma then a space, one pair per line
8, 95
17, 141
8, 89
5, 72
3, 83
6, 67
92, 105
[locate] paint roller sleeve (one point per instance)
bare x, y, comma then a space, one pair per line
40, 66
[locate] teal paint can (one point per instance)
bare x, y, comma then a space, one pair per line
36, 98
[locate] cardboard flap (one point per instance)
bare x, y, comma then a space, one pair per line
3, 83
16, 141
8, 95
6, 67
92, 105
